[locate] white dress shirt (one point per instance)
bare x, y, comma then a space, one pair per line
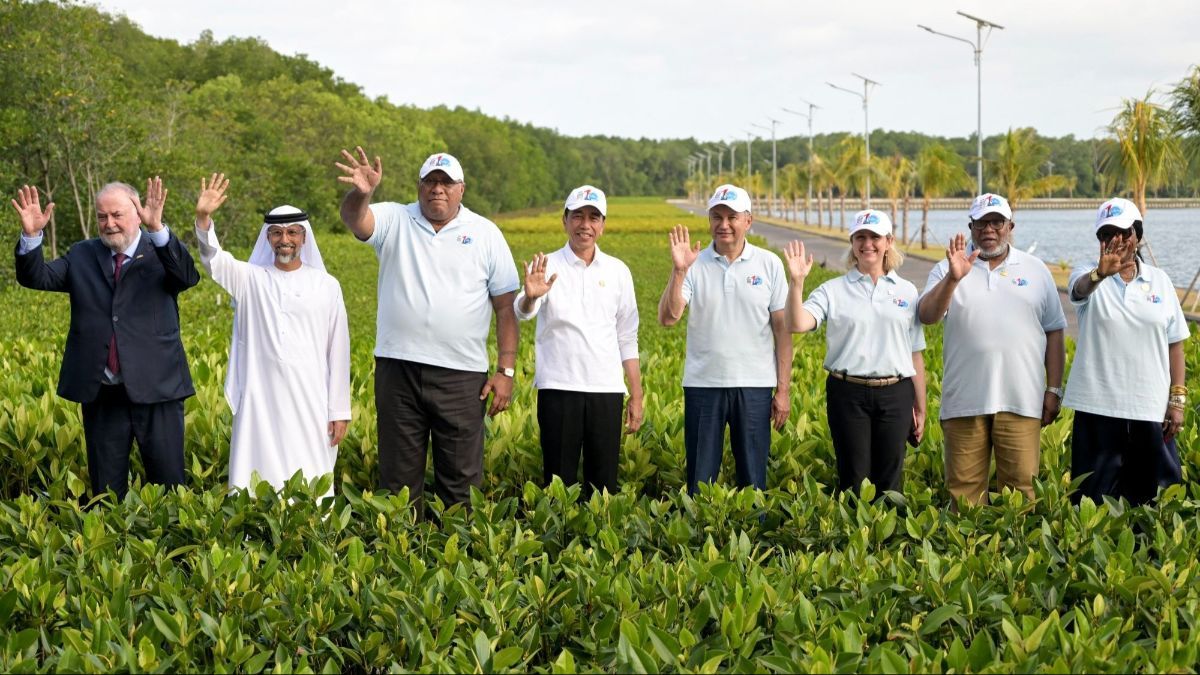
587, 324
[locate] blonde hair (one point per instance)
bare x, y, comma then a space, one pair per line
892, 258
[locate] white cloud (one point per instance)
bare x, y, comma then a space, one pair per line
707, 69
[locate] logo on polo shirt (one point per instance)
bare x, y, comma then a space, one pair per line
464, 240
1020, 281
900, 302
1112, 210
602, 283
754, 280
1156, 299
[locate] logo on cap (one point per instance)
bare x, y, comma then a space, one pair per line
992, 200
868, 219
440, 161
589, 196
1111, 210
727, 194
754, 280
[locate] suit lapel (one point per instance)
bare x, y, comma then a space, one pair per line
135, 264
105, 260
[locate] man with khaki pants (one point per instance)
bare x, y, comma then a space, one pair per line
1002, 351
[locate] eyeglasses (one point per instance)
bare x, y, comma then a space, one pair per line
291, 232
434, 182
981, 225
1109, 235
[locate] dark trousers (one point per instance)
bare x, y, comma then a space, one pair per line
416, 402
747, 412
575, 421
869, 426
110, 425
1126, 458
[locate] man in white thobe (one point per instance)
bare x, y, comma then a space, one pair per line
288, 382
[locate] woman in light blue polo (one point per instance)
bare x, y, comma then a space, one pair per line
875, 391
1126, 383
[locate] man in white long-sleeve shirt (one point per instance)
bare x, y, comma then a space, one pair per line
289, 365
586, 336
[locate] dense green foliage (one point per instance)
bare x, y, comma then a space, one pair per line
92, 98
790, 580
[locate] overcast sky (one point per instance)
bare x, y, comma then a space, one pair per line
708, 69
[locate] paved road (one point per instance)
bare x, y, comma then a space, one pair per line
832, 251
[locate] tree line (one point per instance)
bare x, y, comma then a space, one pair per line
90, 97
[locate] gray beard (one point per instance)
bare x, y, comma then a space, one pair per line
1000, 252
117, 243
285, 258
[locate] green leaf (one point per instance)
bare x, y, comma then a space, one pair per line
256, 663
939, 616
7, 602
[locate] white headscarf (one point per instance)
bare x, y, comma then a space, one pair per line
264, 256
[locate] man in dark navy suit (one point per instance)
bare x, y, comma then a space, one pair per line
124, 361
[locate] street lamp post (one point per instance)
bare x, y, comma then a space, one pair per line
977, 48
774, 163
732, 145
749, 168
811, 107
703, 184
865, 96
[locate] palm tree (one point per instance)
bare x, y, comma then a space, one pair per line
847, 171
940, 171
893, 173
820, 178
1017, 167
1148, 151
792, 181
1185, 104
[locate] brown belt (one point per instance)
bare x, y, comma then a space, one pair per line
867, 381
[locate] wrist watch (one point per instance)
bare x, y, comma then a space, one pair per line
1057, 391
1095, 276
507, 372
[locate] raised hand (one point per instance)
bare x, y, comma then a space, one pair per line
156, 198
359, 172
1112, 257
212, 196
29, 206
683, 251
956, 255
798, 266
536, 283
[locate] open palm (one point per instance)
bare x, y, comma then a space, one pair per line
536, 283
360, 173
29, 207
683, 251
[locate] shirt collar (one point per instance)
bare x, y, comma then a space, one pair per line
459, 219
571, 258
855, 276
747, 252
132, 248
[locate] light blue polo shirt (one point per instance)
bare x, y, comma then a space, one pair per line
873, 327
436, 288
729, 338
1121, 367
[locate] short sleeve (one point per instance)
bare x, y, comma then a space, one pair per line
916, 334
386, 214
779, 286
817, 303
689, 283
1052, 318
935, 277
502, 277
1177, 325
1077, 273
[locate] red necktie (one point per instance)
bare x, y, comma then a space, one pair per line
114, 366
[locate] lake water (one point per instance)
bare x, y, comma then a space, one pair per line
1173, 234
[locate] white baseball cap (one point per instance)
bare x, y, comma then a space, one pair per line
1117, 212
873, 221
442, 161
732, 196
990, 203
587, 195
